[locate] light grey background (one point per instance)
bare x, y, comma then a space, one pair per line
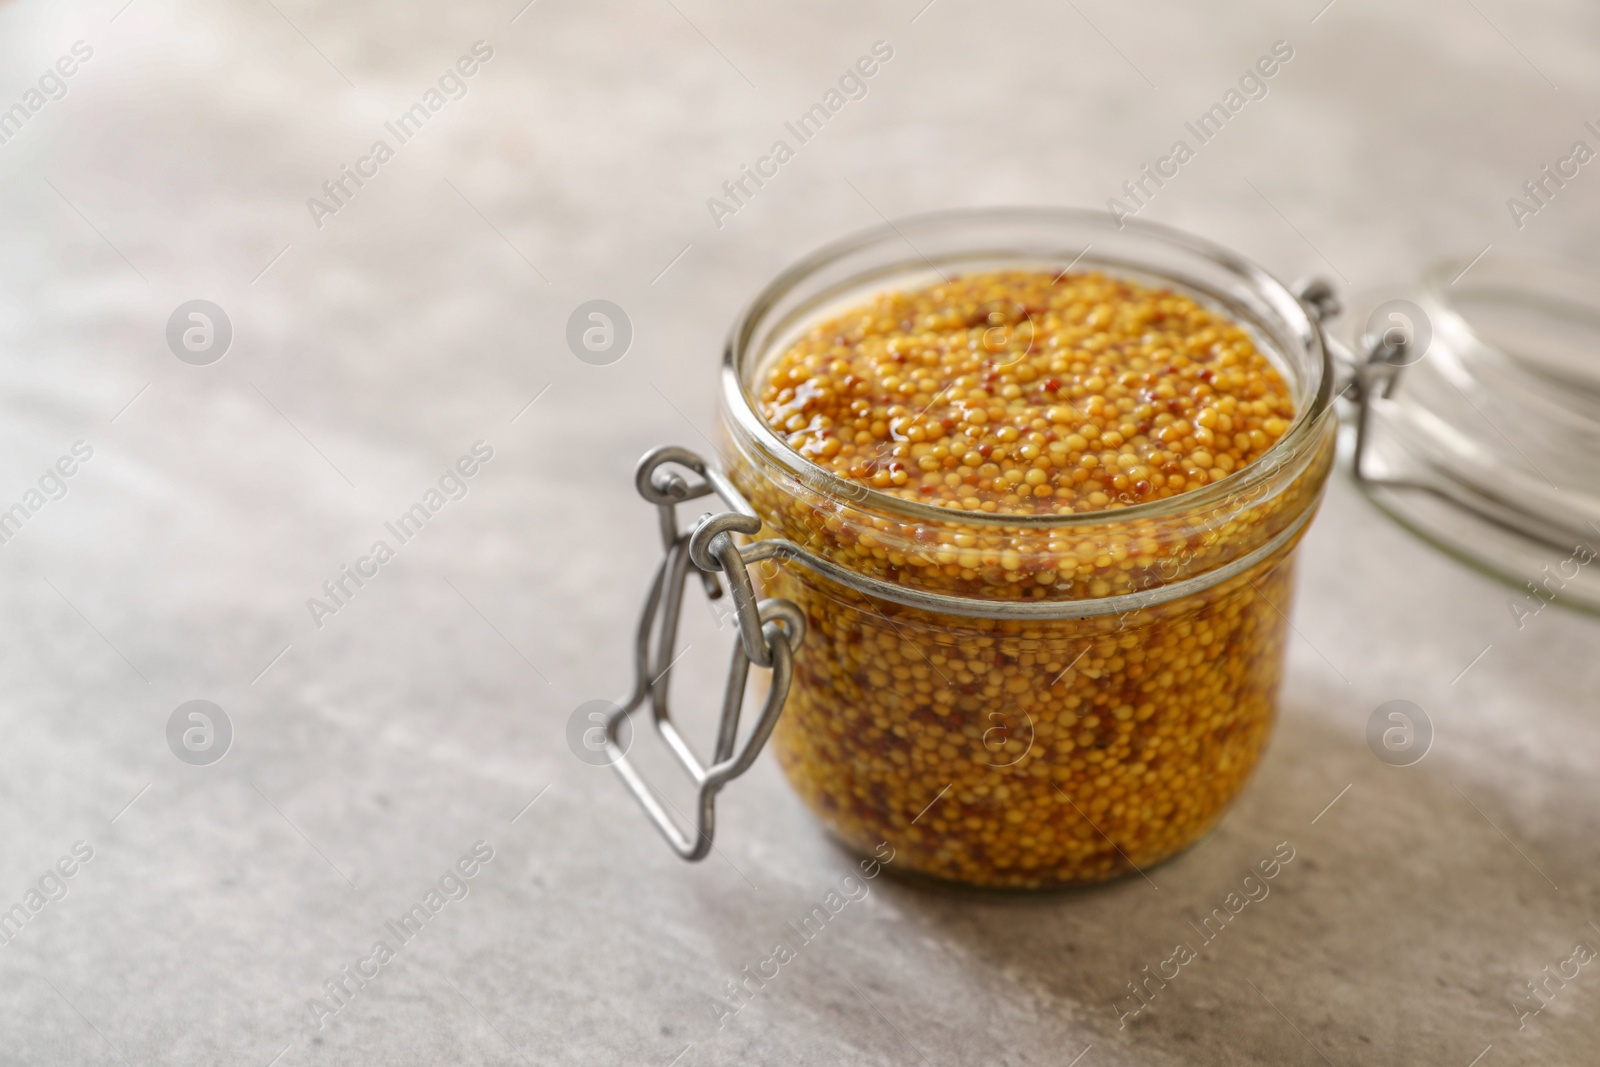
371, 352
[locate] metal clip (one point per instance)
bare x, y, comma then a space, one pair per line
769, 632
1356, 378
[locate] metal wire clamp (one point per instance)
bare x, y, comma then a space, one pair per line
769, 632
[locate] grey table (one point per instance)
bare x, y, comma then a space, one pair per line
381, 332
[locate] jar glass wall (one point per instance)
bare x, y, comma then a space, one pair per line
1088, 691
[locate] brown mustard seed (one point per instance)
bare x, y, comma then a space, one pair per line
1020, 753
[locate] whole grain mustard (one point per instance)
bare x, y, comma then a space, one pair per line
1020, 393
1022, 753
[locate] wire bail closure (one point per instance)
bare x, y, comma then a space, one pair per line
769, 632
1375, 374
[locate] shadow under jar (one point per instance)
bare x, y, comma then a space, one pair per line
1022, 699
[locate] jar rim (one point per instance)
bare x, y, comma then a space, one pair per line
740, 404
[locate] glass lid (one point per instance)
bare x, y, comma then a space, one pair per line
1474, 420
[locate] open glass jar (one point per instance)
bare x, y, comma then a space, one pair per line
1007, 700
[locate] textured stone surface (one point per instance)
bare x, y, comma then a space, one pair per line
426, 714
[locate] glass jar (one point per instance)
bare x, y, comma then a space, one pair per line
1006, 700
